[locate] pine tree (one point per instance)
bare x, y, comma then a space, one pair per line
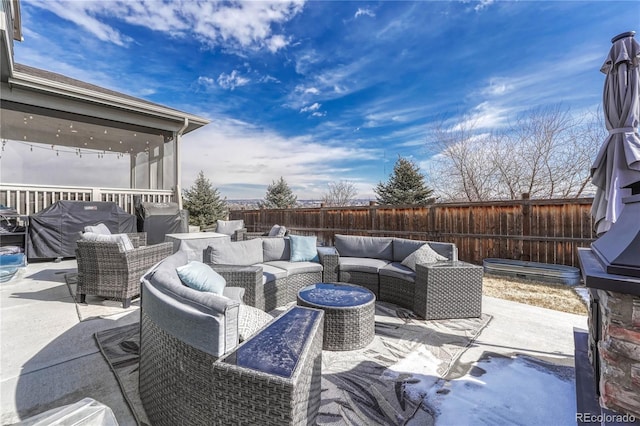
405, 186
204, 203
279, 196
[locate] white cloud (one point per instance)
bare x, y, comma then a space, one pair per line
231, 81
84, 14
319, 114
486, 115
207, 82
233, 154
237, 25
364, 12
314, 107
483, 4
276, 43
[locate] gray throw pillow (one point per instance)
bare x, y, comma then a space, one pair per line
424, 254
277, 231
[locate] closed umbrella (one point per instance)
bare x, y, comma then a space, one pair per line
616, 169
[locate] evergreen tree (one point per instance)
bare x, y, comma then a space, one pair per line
405, 186
204, 203
279, 196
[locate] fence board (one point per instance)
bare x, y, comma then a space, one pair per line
548, 231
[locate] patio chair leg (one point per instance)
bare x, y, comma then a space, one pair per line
126, 303
83, 298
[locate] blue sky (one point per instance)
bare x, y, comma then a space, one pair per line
322, 91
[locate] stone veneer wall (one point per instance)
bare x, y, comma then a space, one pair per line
619, 352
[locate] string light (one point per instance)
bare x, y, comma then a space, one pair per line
77, 151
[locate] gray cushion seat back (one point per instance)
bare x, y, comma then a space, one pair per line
359, 246
225, 252
276, 249
204, 320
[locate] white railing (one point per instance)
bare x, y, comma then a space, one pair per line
30, 199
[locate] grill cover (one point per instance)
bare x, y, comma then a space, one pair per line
53, 232
159, 219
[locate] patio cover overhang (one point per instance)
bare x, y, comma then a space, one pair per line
39, 106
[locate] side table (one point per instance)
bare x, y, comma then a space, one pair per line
349, 314
193, 243
448, 290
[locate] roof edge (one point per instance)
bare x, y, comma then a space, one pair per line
31, 82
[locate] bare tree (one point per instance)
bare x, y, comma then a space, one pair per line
340, 193
545, 152
461, 170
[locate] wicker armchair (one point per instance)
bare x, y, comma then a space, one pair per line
104, 270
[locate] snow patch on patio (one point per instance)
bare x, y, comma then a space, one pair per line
422, 365
506, 391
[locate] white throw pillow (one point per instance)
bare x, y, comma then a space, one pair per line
250, 320
123, 241
424, 254
100, 228
229, 227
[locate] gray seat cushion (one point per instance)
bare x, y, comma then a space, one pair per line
398, 270
362, 264
359, 246
272, 272
293, 268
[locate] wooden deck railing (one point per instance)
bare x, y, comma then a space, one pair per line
548, 231
30, 199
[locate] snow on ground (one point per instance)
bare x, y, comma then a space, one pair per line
506, 391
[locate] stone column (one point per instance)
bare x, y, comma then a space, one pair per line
619, 352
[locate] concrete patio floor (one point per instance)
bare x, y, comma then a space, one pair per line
49, 358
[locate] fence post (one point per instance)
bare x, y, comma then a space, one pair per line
526, 227
373, 212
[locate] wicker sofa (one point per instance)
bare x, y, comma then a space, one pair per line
263, 267
376, 263
185, 337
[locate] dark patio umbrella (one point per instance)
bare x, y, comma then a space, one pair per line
616, 170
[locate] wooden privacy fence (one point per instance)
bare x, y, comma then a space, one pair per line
548, 231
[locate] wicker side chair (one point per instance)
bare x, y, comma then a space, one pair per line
104, 270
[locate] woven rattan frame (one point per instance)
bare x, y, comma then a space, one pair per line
346, 328
367, 280
175, 378
104, 270
298, 281
330, 264
243, 396
181, 385
397, 291
448, 290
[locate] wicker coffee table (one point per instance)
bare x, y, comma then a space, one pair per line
349, 314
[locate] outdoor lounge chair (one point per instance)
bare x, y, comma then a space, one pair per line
106, 270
